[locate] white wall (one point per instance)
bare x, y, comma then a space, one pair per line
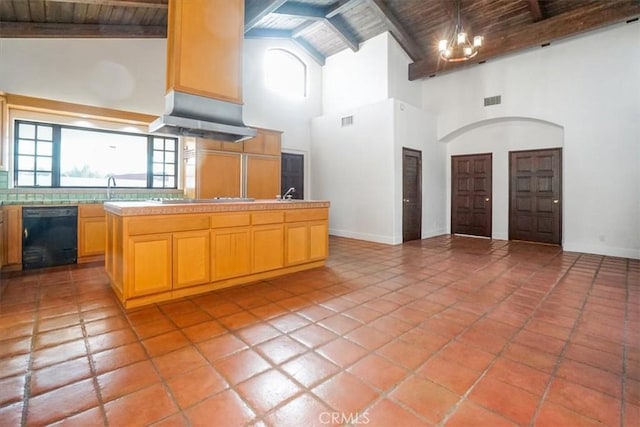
352, 79
353, 168
416, 129
264, 108
359, 167
114, 73
400, 87
130, 75
588, 88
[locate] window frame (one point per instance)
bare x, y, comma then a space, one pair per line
56, 160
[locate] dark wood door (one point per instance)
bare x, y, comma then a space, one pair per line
411, 195
292, 174
471, 195
535, 203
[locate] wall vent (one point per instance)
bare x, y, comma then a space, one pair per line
493, 100
347, 121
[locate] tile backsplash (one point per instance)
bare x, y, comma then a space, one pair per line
62, 195
4, 179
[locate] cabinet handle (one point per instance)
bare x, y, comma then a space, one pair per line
26, 233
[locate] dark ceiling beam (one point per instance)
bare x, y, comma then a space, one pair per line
536, 34
341, 7
256, 10
311, 51
535, 10
301, 10
396, 29
304, 27
47, 30
340, 29
316, 13
118, 3
265, 33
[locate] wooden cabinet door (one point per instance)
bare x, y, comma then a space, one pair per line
217, 174
263, 176
191, 258
296, 243
91, 236
150, 264
204, 43
267, 247
13, 227
318, 240
230, 252
265, 142
2, 241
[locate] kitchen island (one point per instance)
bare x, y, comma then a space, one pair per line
162, 251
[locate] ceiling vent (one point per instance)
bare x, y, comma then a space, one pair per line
493, 100
347, 121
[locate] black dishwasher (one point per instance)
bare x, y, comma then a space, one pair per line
49, 236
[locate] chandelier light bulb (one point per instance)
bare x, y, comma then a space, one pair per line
459, 47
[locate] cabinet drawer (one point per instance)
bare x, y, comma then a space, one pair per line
230, 220
273, 217
296, 215
90, 211
167, 224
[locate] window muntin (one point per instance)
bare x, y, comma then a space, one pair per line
285, 73
34, 155
52, 155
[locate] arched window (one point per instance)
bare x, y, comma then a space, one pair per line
285, 73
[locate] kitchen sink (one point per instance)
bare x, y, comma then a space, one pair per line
213, 200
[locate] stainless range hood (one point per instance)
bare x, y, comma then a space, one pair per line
192, 115
204, 71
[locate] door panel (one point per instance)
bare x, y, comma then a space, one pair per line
535, 209
411, 195
293, 174
218, 174
263, 176
471, 194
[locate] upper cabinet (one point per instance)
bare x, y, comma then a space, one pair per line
265, 142
204, 44
223, 169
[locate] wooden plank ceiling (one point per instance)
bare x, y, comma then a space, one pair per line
325, 27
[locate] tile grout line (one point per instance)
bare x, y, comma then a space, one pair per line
27, 380
453, 410
412, 371
92, 367
567, 341
623, 383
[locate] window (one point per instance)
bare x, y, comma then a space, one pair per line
52, 155
285, 73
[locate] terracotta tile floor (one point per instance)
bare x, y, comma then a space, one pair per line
445, 331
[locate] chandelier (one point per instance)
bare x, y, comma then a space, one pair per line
459, 47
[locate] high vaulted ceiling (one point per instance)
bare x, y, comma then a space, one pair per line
325, 27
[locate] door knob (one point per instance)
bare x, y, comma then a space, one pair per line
486, 200
556, 201
406, 200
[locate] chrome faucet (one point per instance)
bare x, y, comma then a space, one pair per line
110, 179
288, 194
